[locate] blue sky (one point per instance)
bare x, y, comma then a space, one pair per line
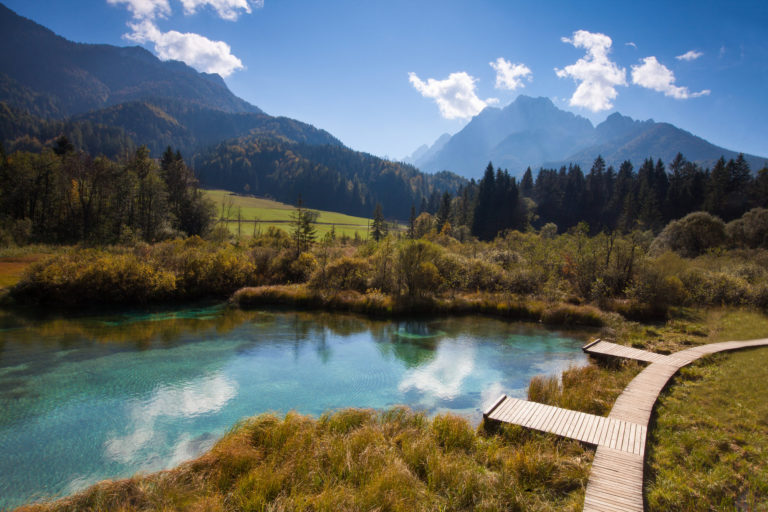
361, 69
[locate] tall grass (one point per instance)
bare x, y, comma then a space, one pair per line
592, 389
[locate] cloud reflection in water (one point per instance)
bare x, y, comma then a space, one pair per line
194, 398
441, 379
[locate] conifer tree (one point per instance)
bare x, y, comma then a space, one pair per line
303, 221
378, 227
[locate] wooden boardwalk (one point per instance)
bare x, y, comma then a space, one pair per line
624, 436
616, 479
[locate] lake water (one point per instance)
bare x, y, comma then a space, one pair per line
84, 399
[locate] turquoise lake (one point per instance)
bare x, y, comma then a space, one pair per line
89, 398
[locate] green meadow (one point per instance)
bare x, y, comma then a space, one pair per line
257, 214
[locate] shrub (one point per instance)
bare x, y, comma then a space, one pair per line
751, 230
715, 288
302, 267
691, 236
343, 274
94, 277
416, 267
287, 268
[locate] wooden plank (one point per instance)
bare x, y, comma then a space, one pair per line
553, 419
585, 347
494, 405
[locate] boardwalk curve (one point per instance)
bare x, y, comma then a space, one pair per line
616, 479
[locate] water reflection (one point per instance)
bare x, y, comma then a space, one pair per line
441, 378
144, 442
104, 396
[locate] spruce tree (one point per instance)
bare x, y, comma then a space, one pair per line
378, 227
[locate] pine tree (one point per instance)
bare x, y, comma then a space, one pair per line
526, 184
304, 232
444, 212
482, 224
378, 227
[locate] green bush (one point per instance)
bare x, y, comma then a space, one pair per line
691, 236
751, 230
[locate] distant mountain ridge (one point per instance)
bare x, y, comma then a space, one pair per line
534, 132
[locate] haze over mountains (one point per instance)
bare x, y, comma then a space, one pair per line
534, 132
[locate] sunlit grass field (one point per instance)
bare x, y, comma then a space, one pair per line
259, 213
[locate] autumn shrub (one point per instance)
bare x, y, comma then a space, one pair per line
691, 236
302, 267
177, 270
201, 268
94, 276
383, 273
343, 274
416, 266
262, 257
288, 268
453, 270
751, 230
484, 275
657, 282
706, 287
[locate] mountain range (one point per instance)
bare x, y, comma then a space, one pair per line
534, 132
109, 100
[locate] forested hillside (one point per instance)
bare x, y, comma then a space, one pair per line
327, 177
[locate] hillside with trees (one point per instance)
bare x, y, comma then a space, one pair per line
329, 177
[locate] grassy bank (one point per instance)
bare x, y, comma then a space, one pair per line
373, 302
708, 448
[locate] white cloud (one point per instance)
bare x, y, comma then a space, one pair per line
226, 9
597, 74
690, 55
198, 51
455, 96
652, 74
510, 76
145, 9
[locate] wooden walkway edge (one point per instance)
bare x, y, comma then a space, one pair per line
616, 479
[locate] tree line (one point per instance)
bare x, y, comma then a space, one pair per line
607, 200
65, 196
